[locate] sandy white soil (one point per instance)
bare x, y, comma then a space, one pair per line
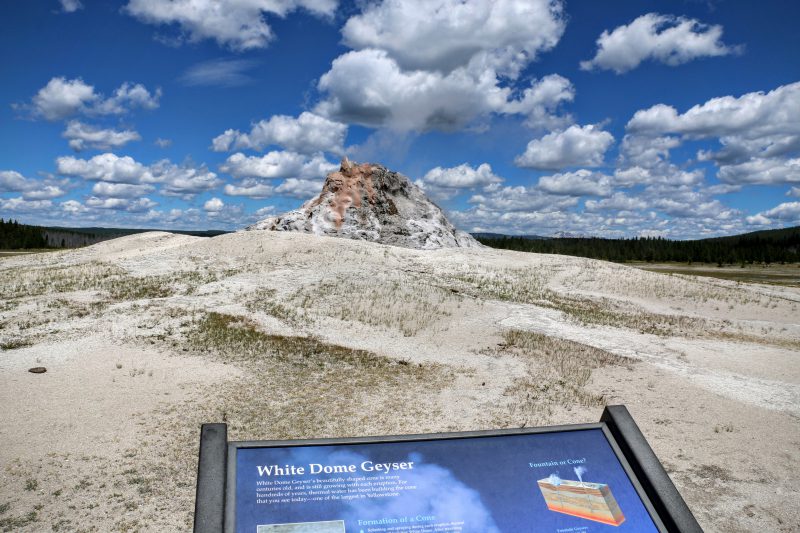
286, 335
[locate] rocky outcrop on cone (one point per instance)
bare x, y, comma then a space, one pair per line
371, 203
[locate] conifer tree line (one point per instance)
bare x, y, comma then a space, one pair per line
14, 235
763, 247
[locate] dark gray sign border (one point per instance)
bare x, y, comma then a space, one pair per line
215, 505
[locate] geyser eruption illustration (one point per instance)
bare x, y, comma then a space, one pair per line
554, 479
582, 499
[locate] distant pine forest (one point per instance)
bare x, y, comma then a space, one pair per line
761, 247
16, 236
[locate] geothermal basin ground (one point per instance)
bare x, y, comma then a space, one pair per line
287, 335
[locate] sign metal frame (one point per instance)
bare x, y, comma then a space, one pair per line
215, 506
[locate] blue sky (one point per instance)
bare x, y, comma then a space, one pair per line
679, 119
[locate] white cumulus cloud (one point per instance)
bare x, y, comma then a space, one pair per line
70, 6
62, 98
127, 96
619, 201
278, 164
309, 133
575, 146
787, 212
105, 167
461, 177
368, 87
447, 34
762, 171
73, 207
664, 38
43, 192
291, 187
120, 190
759, 133
121, 204
647, 151
185, 180
251, 188
214, 204
695, 207
31, 189
520, 198
752, 115
579, 183
13, 181
442, 64
297, 188
237, 24
665, 175
82, 136
20, 205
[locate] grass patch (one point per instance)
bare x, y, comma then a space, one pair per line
606, 313
558, 372
749, 338
8, 305
393, 301
113, 281
25, 282
17, 522
303, 386
72, 309
530, 287
264, 301
238, 339
14, 344
524, 285
62, 525
133, 288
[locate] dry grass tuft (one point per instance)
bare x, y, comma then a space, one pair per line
393, 301
558, 372
264, 301
112, 281
604, 312
522, 285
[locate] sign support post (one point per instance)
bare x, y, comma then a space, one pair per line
209, 505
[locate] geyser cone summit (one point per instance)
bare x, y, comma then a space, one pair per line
370, 202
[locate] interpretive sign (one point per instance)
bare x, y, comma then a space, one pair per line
560, 479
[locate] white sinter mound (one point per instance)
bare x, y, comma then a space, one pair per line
371, 203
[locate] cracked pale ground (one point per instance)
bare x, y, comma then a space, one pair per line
290, 335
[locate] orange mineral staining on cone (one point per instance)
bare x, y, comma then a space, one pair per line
350, 186
370, 202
